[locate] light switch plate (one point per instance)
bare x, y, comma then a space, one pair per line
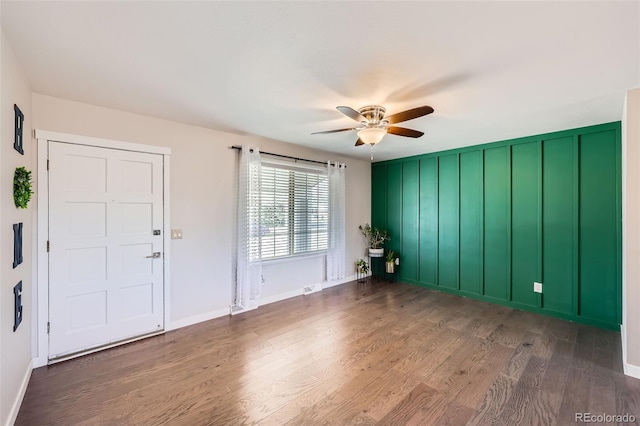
537, 287
176, 234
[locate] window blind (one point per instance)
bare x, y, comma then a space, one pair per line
294, 211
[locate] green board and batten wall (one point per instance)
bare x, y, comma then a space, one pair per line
488, 221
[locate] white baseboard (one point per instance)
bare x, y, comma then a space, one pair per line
632, 370
264, 301
280, 296
623, 338
299, 292
173, 325
629, 369
311, 288
15, 408
237, 309
328, 284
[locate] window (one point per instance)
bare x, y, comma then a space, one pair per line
294, 211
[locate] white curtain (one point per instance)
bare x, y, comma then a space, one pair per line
249, 234
336, 252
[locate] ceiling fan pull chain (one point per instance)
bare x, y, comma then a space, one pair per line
371, 146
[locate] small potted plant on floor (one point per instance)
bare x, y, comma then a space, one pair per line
362, 269
391, 262
375, 238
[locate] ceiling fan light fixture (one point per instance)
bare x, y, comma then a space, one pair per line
372, 135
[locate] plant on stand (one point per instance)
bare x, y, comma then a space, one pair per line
362, 268
391, 262
375, 238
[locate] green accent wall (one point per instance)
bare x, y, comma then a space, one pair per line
496, 223
488, 221
471, 218
447, 223
428, 226
525, 247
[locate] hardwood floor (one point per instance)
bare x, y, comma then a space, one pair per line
375, 353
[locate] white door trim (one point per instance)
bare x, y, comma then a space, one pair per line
40, 305
102, 143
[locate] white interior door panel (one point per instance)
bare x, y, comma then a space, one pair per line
105, 285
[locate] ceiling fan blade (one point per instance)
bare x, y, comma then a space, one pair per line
401, 131
409, 114
359, 142
333, 131
352, 113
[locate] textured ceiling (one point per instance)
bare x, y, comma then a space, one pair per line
491, 70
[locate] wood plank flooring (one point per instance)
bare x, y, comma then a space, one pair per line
375, 353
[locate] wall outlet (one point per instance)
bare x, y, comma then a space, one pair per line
176, 234
537, 287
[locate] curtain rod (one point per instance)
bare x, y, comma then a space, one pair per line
284, 156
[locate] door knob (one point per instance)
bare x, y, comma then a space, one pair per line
155, 255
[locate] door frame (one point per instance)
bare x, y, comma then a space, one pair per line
40, 296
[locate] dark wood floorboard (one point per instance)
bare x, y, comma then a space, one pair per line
357, 354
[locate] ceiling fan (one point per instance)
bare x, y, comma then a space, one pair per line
374, 125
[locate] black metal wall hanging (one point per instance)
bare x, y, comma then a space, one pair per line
17, 244
19, 121
17, 305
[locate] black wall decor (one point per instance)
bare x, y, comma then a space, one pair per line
17, 303
17, 244
17, 144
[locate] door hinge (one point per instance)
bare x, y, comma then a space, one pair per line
47, 164
48, 246
48, 327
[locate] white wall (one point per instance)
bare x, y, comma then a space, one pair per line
203, 197
15, 347
631, 233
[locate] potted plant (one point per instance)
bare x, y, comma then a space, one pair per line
375, 238
362, 266
362, 269
391, 262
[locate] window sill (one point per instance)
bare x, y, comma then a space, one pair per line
294, 258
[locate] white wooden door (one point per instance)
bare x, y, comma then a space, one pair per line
104, 205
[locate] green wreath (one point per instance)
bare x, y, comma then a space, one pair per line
22, 187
